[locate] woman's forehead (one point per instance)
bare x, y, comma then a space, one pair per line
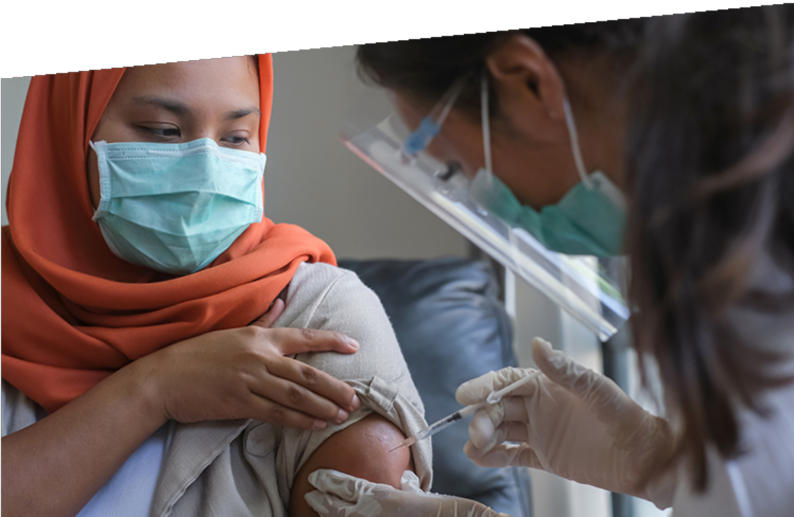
233, 76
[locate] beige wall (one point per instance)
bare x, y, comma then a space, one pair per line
12, 98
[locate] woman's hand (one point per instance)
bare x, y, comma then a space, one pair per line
341, 495
569, 421
243, 373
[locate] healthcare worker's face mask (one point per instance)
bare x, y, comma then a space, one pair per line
176, 207
588, 220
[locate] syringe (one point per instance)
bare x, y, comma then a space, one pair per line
447, 421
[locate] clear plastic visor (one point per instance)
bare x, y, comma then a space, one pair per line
437, 178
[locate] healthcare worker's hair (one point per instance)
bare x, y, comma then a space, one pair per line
426, 68
710, 162
710, 174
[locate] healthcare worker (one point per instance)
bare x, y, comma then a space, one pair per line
681, 128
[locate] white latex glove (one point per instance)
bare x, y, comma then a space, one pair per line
341, 495
569, 421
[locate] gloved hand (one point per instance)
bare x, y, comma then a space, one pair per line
572, 422
341, 495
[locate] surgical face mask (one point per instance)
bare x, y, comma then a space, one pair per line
588, 220
176, 207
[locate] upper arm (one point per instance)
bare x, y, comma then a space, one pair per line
361, 450
380, 376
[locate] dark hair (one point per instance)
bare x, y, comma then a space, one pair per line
427, 67
711, 182
711, 173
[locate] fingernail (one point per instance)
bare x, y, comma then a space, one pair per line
341, 416
353, 343
355, 403
319, 425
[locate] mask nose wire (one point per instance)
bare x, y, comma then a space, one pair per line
577, 153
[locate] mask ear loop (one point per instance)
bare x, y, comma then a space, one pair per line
577, 153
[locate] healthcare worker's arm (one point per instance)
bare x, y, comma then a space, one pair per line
572, 422
53, 467
580, 425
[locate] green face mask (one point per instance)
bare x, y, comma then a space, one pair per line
588, 220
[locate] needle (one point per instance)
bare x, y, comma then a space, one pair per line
447, 421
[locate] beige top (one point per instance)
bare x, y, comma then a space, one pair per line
246, 468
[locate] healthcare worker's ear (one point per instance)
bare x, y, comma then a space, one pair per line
529, 89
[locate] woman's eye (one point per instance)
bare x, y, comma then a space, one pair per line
237, 140
162, 132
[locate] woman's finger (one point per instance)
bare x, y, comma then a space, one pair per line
507, 432
485, 421
601, 395
291, 341
487, 429
477, 390
339, 484
269, 411
409, 482
504, 455
269, 318
515, 410
322, 392
326, 505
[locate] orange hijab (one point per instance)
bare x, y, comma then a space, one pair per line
73, 312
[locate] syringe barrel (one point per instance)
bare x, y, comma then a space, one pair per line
440, 425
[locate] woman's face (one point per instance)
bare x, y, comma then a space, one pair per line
180, 102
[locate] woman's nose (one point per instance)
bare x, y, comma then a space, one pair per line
200, 132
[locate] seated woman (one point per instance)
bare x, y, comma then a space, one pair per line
146, 300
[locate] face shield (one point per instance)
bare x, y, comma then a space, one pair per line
430, 169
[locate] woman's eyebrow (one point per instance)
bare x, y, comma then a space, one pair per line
178, 108
173, 106
234, 115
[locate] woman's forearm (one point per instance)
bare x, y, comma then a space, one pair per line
53, 467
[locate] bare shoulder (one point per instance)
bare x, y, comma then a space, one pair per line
361, 450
